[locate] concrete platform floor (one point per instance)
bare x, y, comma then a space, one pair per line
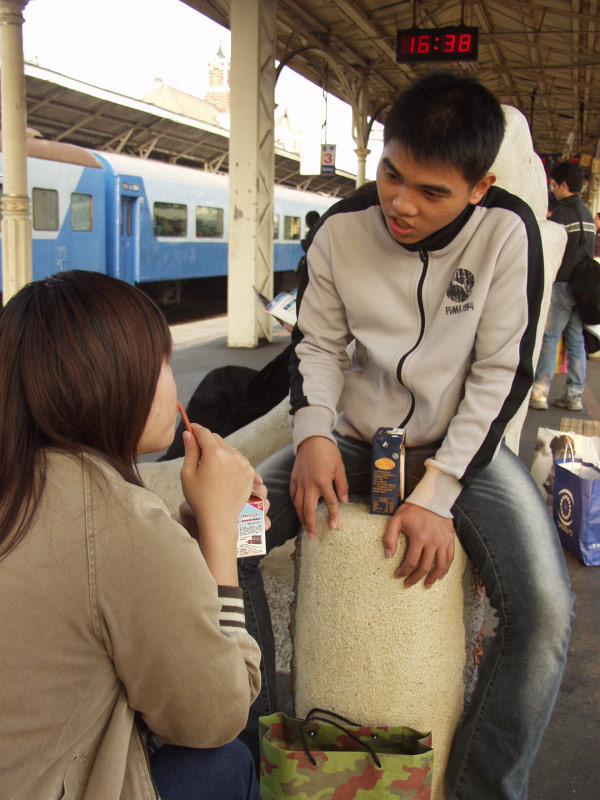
568, 763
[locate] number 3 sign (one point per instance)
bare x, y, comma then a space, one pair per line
327, 159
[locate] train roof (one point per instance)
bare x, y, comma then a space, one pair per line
161, 170
60, 151
152, 168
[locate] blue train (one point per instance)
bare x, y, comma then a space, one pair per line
141, 220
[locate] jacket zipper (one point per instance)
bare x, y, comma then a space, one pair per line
425, 261
145, 750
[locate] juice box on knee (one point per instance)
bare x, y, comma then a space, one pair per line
387, 470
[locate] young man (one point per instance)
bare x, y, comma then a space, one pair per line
437, 276
566, 182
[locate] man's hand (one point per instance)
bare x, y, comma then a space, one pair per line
318, 472
430, 548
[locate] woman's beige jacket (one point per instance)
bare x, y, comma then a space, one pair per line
109, 616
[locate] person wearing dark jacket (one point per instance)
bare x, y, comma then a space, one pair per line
566, 182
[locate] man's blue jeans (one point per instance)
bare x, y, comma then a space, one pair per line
562, 316
506, 530
221, 773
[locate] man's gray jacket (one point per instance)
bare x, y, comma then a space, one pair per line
444, 333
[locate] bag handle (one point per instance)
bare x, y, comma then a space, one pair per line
312, 717
568, 444
330, 714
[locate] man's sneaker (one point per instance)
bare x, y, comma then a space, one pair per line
538, 400
570, 403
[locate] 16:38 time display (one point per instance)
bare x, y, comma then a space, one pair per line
437, 44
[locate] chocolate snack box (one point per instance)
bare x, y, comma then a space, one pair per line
251, 529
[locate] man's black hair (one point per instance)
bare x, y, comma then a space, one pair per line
569, 173
448, 119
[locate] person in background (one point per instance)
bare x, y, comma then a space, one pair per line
566, 182
311, 219
597, 238
126, 671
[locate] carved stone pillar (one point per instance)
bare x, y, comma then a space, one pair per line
361, 165
16, 220
251, 169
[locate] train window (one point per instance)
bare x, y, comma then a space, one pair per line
81, 212
291, 227
126, 206
276, 226
209, 222
45, 210
170, 219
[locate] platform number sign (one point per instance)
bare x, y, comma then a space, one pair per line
327, 159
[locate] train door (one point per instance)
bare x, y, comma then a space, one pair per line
129, 238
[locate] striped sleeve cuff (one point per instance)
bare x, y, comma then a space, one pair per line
231, 616
436, 491
312, 421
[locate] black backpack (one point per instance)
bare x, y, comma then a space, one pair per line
584, 280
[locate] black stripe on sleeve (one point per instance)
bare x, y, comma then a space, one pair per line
524, 373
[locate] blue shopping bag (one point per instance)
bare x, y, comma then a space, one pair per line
576, 508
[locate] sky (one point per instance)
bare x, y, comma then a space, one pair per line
127, 45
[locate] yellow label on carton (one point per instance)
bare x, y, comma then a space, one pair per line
385, 463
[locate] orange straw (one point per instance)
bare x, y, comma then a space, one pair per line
185, 418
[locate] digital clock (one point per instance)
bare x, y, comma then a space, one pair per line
437, 44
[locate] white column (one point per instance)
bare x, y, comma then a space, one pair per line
361, 166
251, 169
16, 220
361, 127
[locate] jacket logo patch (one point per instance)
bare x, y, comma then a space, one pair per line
459, 290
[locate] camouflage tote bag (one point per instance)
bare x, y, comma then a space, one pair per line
327, 757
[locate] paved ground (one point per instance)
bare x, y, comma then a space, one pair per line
567, 765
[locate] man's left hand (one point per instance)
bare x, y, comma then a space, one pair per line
430, 548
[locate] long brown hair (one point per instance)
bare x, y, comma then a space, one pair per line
80, 357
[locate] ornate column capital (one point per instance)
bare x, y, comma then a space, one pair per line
15, 205
11, 11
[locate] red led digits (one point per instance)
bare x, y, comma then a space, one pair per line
437, 44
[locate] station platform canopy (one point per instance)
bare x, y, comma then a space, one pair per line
541, 56
60, 108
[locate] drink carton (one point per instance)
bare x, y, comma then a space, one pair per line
387, 470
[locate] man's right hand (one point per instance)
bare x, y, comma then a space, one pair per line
318, 472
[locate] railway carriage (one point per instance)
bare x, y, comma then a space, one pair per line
141, 220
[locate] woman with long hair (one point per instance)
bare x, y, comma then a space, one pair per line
125, 669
